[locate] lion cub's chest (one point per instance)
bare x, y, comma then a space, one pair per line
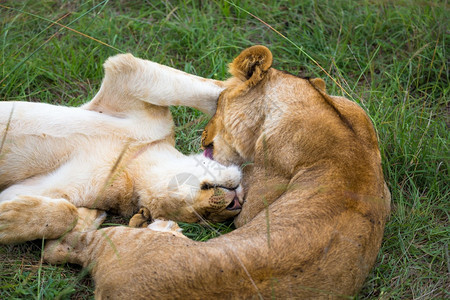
100, 180
119, 195
112, 193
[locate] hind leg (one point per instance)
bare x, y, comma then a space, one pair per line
26, 218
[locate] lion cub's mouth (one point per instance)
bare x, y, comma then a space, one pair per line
238, 196
234, 204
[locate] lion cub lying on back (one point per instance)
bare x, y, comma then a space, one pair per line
115, 153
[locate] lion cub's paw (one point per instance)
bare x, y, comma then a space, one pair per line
140, 219
27, 218
166, 226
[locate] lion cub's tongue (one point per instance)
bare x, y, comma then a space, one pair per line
208, 153
234, 204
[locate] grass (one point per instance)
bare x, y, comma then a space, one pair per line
389, 56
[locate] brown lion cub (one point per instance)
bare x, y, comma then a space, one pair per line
315, 209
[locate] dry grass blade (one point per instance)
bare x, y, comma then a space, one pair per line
6, 129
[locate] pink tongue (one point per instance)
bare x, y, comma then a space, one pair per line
208, 153
236, 204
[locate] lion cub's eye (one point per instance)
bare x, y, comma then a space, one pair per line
207, 186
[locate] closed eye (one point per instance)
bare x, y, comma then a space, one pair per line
207, 186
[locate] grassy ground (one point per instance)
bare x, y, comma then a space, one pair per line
389, 56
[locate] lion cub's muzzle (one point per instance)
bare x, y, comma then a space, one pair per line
235, 198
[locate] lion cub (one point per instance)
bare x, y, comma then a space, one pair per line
115, 153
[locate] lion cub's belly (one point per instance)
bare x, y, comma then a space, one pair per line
38, 138
83, 171
23, 157
98, 179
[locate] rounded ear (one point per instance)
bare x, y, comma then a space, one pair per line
319, 83
252, 64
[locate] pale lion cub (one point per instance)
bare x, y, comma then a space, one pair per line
115, 153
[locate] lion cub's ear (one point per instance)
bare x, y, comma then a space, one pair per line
252, 64
318, 83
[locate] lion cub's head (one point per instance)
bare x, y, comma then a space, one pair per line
239, 109
195, 189
263, 109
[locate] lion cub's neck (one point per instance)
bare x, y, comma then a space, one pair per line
150, 170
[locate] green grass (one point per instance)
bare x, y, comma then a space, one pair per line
389, 56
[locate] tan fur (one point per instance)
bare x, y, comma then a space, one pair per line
29, 223
315, 210
140, 220
115, 153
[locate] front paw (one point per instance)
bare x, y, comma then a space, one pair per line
27, 218
140, 219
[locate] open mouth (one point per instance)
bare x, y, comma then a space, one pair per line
234, 204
